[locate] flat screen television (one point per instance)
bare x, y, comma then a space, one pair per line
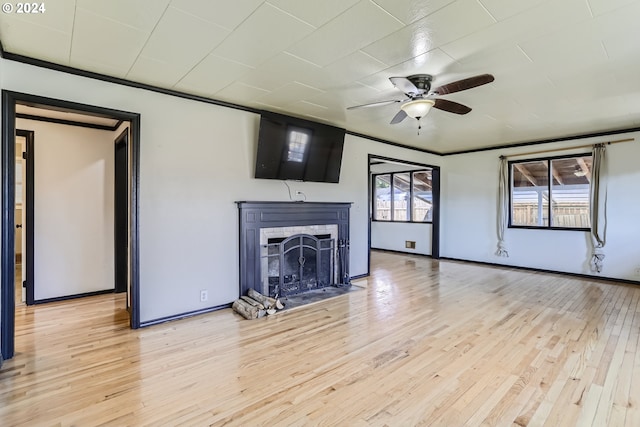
297, 149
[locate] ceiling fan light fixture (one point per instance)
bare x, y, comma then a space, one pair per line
417, 108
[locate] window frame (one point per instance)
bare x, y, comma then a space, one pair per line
549, 186
410, 201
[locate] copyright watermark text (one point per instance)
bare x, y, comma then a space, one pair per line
24, 8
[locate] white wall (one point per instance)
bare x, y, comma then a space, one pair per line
73, 209
393, 235
469, 192
196, 160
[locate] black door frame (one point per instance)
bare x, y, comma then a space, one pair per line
7, 222
435, 219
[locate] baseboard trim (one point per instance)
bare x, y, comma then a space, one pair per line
542, 270
75, 296
400, 252
184, 315
358, 277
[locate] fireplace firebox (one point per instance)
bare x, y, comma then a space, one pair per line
288, 248
298, 264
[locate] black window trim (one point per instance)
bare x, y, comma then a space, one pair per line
550, 181
410, 206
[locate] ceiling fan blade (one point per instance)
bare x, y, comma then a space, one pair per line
451, 107
398, 117
464, 84
375, 104
404, 85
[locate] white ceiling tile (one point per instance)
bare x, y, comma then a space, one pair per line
582, 87
317, 112
403, 45
353, 67
47, 44
619, 32
141, 14
264, 34
289, 93
196, 39
241, 93
503, 9
342, 36
545, 19
315, 13
211, 75
412, 10
566, 54
328, 100
89, 44
454, 21
284, 68
227, 14
358, 93
502, 62
156, 72
97, 66
599, 7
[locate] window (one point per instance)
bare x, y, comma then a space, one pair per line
403, 196
298, 141
551, 192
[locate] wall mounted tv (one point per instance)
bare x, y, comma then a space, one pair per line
297, 149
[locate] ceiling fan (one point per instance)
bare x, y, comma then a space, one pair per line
421, 98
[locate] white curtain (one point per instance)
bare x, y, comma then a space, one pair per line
503, 206
598, 207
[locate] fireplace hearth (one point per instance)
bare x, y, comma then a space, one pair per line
291, 248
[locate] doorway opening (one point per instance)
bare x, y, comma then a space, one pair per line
404, 207
121, 163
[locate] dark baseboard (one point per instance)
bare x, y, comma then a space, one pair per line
400, 252
542, 270
361, 276
184, 315
68, 297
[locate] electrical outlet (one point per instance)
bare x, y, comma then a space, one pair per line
409, 244
204, 295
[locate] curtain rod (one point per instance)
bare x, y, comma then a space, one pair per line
568, 148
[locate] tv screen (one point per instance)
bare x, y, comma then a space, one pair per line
297, 149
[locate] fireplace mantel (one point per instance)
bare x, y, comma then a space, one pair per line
257, 215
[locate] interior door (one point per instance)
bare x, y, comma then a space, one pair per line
23, 222
20, 218
121, 214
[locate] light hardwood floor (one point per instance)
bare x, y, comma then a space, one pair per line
426, 343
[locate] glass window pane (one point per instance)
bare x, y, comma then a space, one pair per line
422, 194
401, 194
570, 192
530, 193
382, 190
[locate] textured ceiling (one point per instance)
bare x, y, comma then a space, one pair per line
562, 67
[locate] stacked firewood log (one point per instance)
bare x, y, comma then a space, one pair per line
255, 305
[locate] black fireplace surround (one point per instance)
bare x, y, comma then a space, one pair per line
257, 215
